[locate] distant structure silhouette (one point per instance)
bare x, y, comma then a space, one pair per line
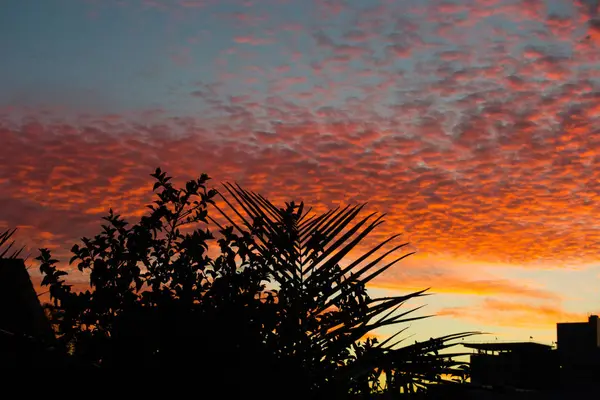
579, 352
26, 336
534, 371
522, 365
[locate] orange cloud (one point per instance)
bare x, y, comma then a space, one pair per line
451, 197
480, 142
457, 285
512, 314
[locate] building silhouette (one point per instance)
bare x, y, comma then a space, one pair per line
579, 353
533, 370
523, 365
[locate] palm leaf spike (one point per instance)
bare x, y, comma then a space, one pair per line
279, 275
326, 262
373, 311
335, 226
253, 206
329, 258
307, 226
401, 361
249, 206
392, 337
5, 245
330, 221
353, 332
358, 274
346, 217
268, 208
276, 274
258, 203
307, 251
312, 235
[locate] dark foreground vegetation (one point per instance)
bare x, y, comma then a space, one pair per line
250, 297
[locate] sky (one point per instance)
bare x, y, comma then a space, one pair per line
472, 124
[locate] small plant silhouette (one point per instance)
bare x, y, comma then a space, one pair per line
270, 306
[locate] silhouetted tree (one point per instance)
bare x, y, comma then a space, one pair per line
271, 308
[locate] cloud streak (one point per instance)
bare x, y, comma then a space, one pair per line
512, 314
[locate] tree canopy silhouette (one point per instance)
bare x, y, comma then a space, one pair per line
245, 292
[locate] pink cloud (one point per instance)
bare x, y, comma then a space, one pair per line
251, 40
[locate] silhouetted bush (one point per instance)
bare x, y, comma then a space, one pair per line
263, 306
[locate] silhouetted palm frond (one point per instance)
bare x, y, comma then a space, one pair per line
325, 308
6, 245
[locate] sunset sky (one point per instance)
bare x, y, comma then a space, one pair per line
474, 124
